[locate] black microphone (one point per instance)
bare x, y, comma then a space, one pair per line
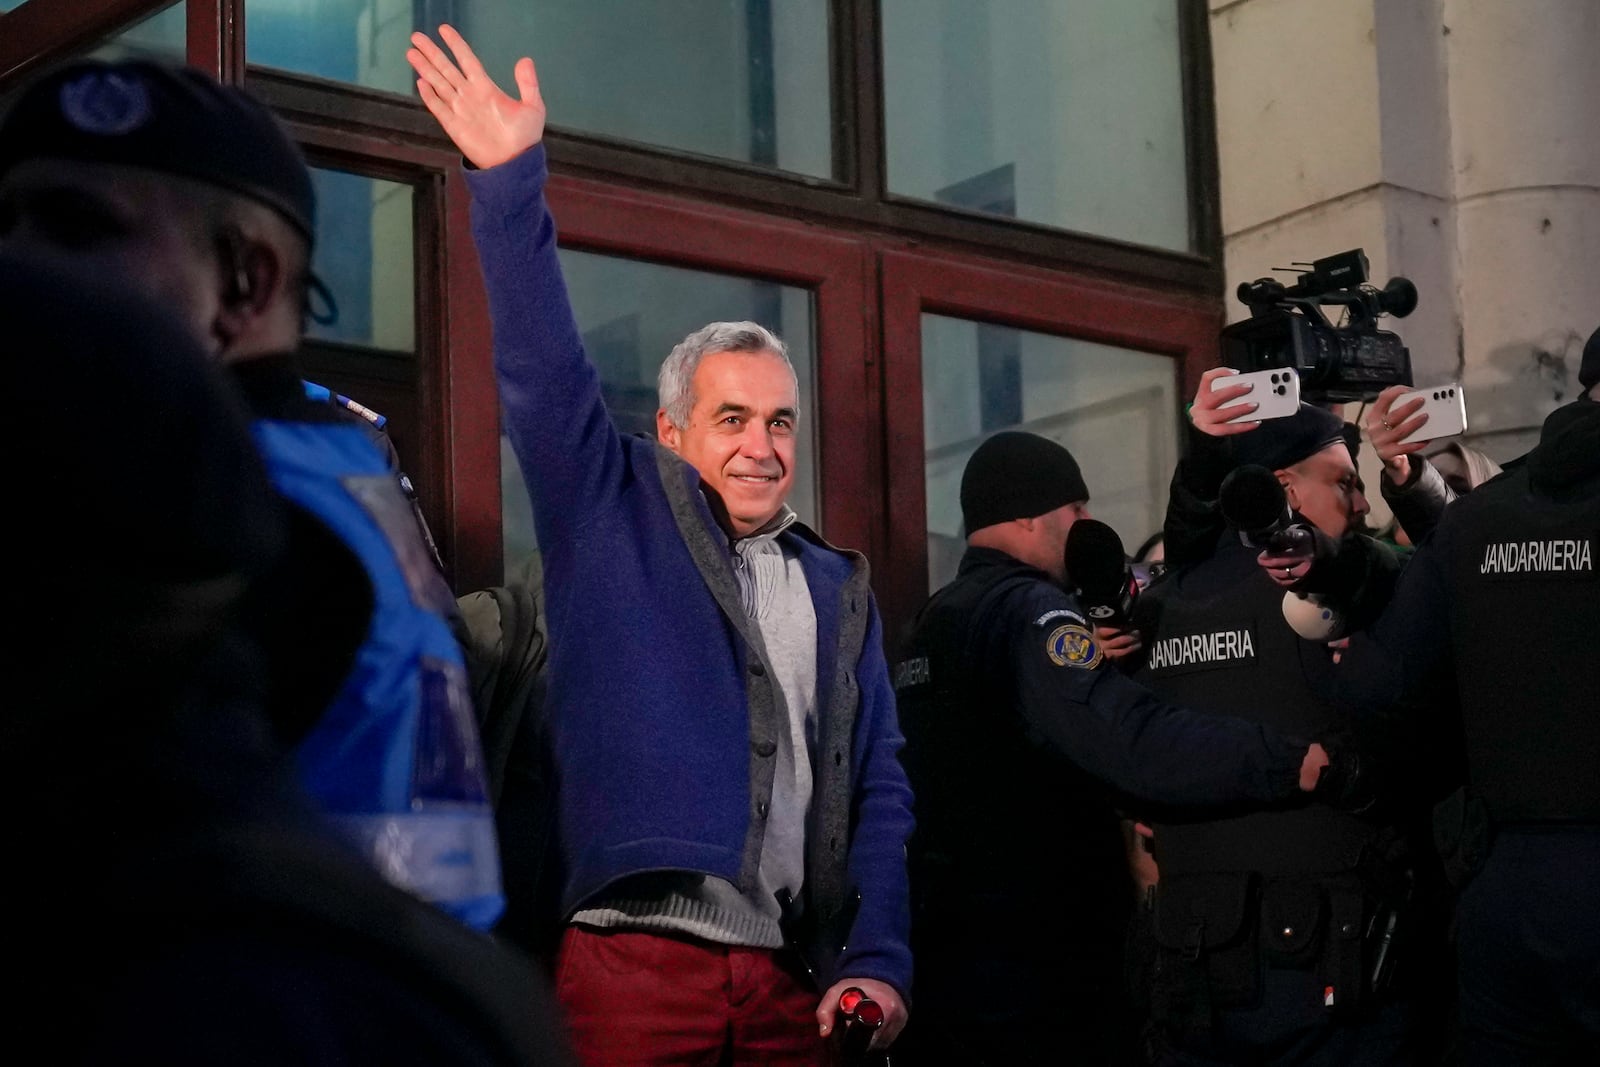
1098, 567
1254, 503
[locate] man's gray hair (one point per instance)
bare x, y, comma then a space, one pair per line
674, 385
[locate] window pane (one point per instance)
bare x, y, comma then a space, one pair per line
1115, 410
364, 256
631, 314
160, 36
1067, 113
746, 80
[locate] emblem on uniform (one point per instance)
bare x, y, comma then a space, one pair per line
1073, 646
106, 103
1102, 611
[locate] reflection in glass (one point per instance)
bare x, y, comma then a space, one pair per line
364, 256
159, 36
162, 36
747, 80
1067, 113
631, 314
978, 379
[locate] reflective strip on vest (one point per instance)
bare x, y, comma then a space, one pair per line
395, 759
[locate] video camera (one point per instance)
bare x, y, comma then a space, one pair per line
1287, 328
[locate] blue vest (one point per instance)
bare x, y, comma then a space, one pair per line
395, 760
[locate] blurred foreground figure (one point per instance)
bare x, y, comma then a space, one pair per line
176, 900
161, 179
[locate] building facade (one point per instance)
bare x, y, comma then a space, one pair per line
963, 215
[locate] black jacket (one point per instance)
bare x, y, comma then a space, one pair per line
1505, 594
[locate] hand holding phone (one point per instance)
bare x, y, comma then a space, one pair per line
1445, 407
1276, 393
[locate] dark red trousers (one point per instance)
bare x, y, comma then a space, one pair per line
635, 998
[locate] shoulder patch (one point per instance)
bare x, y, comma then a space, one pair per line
1059, 613
1073, 646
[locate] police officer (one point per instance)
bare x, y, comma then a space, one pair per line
191, 191
184, 903
1506, 591
1260, 917
1010, 713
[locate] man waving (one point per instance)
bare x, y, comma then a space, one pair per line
731, 808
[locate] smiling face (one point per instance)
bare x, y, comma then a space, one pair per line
740, 435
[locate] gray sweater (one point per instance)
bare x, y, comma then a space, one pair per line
773, 590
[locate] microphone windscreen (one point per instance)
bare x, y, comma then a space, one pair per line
1311, 618
1095, 561
1252, 499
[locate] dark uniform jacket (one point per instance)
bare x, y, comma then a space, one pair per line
1019, 881
1506, 590
1019, 649
1291, 888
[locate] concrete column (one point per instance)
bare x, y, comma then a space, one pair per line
1524, 110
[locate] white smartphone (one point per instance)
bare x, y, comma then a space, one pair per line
1276, 393
1446, 408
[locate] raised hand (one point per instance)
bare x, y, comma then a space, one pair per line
1388, 425
1212, 410
486, 124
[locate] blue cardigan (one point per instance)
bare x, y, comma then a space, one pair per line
662, 709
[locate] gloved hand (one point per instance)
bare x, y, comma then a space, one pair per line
1347, 780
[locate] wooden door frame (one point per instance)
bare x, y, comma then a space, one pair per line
593, 216
915, 282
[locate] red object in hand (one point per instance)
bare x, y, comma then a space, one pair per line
862, 1017
869, 1013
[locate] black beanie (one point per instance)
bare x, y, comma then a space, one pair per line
1016, 475
1280, 443
1589, 369
176, 120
